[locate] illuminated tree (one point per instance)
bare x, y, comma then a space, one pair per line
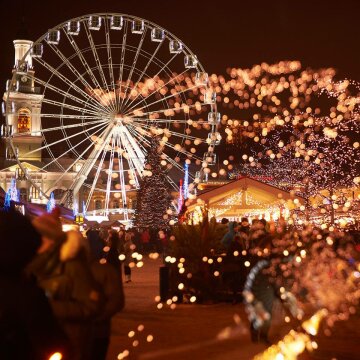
51, 203
153, 197
314, 161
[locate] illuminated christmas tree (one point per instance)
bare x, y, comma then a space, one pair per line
153, 197
11, 195
7, 201
51, 203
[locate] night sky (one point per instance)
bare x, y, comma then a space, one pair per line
221, 33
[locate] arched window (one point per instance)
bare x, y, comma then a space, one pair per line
34, 193
24, 120
98, 204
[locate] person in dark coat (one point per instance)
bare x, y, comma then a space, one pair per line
28, 328
234, 271
114, 250
62, 270
128, 251
109, 282
145, 241
229, 236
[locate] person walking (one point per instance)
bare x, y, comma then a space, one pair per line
229, 236
128, 251
145, 240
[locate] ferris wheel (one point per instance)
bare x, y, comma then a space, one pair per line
106, 84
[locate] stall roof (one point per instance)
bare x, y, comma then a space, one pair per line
246, 193
110, 223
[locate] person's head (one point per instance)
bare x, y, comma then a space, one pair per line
103, 233
244, 221
224, 221
19, 241
50, 228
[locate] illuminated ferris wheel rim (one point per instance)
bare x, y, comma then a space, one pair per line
97, 114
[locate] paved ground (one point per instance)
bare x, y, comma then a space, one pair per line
191, 331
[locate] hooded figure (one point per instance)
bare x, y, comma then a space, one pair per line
62, 270
28, 328
229, 236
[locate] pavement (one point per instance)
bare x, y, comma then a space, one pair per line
193, 331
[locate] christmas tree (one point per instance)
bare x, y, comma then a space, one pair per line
51, 203
153, 197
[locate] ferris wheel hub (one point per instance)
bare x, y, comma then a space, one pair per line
120, 119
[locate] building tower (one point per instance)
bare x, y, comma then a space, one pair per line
22, 102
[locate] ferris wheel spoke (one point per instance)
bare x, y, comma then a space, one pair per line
142, 73
90, 162
167, 97
79, 117
67, 95
99, 66
174, 163
96, 178
133, 66
122, 61
74, 71
61, 140
84, 62
109, 177
135, 171
70, 107
163, 110
140, 155
153, 78
27, 133
172, 132
182, 151
136, 156
169, 145
95, 104
122, 176
140, 121
168, 158
72, 164
110, 61
87, 137
142, 139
